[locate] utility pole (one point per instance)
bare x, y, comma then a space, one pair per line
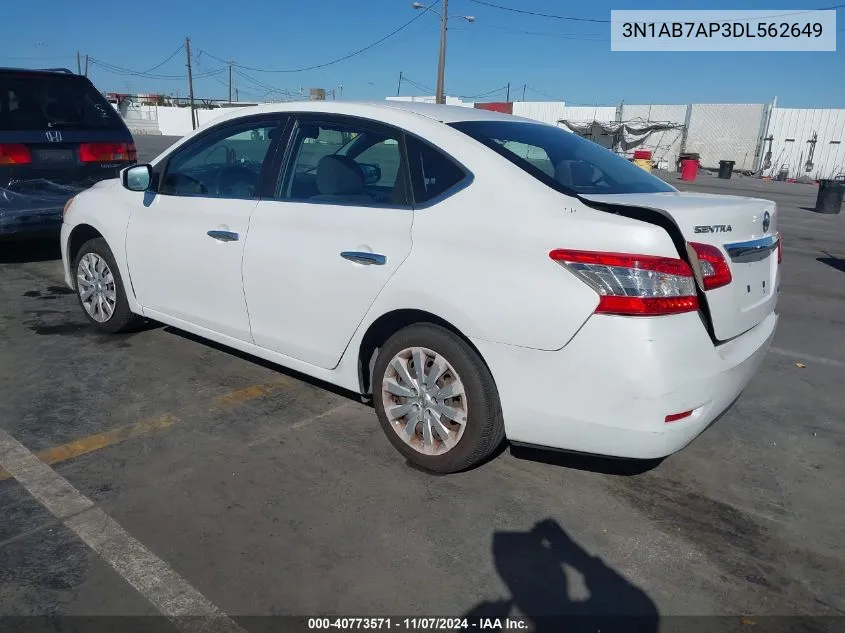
441, 64
86, 65
508, 97
190, 82
524, 86
230, 82
78, 64
399, 87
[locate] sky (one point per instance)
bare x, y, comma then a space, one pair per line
541, 58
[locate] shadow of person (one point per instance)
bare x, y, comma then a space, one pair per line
532, 566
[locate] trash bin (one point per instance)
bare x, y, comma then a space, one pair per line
689, 169
829, 198
726, 168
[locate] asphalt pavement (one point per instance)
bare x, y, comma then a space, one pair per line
242, 487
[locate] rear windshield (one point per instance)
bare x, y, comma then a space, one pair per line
30, 101
561, 159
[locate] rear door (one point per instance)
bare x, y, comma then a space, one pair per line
322, 248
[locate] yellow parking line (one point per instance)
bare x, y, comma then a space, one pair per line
147, 427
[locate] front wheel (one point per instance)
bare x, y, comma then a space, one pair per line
436, 400
99, 288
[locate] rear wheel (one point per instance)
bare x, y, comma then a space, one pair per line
436, 400
99, 288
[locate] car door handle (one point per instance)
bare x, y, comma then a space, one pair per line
360, 257
224, 236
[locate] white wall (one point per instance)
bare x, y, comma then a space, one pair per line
174, 121
725, 131
456, 101
546, 111
585, 114
791, 130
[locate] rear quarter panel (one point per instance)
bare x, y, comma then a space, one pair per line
480, 257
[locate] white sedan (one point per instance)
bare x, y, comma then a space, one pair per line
479, 275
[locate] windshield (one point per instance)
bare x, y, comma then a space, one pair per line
561, 159
40, 101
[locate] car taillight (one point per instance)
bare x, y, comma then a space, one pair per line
780, 247
633, 285
106, 152
715, 271
14, 154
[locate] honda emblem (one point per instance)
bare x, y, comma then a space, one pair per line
54, 136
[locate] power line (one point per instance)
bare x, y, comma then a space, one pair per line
586, 37
157, 66
543, 94
255, 83
335, 61
574, 19
536, 14
118, 70
417, 85
486, 94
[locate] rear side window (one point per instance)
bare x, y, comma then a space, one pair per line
561, 159
432, 172
41, 101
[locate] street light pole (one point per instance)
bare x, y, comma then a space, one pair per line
441, 63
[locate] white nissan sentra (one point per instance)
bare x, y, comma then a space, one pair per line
480, 275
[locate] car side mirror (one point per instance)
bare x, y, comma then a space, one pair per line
372, 173
137, 177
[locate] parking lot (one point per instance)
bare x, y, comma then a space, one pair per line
267, 493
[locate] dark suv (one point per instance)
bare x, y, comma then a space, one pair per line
58, 136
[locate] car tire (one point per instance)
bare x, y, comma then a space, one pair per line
94, 268
419, 434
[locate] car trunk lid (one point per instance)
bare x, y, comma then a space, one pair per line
744, 230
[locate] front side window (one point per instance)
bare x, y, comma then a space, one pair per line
561, 159
345, 164
226, 163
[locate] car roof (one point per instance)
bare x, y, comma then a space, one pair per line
437, 112
39, 71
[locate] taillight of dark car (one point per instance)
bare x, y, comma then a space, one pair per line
107, 152
14, 154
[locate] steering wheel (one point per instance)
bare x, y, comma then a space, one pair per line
181, 183
234, 176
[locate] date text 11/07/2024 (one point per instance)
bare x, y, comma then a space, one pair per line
417, 624
721, 29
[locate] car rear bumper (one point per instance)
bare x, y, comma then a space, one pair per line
609, 390
33, 208
30, 223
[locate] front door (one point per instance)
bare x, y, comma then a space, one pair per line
185, 241
339, 226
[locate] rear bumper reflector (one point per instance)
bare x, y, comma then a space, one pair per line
674, 417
